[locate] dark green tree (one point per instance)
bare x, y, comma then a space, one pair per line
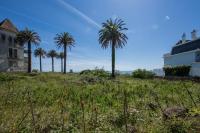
28, 37
112, 34
41, 54
64, 40
61, 57
52, 54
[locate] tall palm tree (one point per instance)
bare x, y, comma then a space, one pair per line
61, 57
64, 40
41, 54
30, 37
52, 54
112, 34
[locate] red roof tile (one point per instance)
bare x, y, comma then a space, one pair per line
8, 25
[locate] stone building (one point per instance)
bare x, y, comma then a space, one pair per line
12, 55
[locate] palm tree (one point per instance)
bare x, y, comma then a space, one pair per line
30, 37
41, 54
52, 54
64, 40
112, 34
61, 57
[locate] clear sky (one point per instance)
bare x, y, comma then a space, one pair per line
154, 27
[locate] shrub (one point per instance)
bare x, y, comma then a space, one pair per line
5, 77
35, 71
85, 72
96, 72
71, 71
180, 71
176, 126
143, 74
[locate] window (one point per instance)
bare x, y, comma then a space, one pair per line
3, 37
10, 53
10, 39
15, 53
15, 41
198, 57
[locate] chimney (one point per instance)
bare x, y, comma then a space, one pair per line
183, 38
194, 34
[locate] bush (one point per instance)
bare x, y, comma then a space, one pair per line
180, 71
85, 72
35, 71
71, 71
96, 72
143, 74
176, 126
6, 77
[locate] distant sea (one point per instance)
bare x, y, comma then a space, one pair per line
125, 72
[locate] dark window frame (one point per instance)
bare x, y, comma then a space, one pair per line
3, 37
15, 40
10, 40
15, 53
197, 57
10, 53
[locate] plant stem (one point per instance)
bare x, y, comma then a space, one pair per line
83, 114
32, 112
191, 97
125, 110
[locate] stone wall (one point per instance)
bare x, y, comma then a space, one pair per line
5, 60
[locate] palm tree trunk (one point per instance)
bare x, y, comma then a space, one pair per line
65, 58
29, 57
40, 63
52, 64
61, 64
113, 59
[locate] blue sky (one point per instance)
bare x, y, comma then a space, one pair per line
154, 27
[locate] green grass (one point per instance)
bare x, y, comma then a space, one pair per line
78, 103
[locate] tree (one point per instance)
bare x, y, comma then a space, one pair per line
41, 54
64, 40
52, 54
61, 57
112, 34
30, 37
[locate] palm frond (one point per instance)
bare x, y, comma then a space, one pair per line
64, 39
39, 52
52, 54
112, 33
27, 35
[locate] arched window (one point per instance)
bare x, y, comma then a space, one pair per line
3, 37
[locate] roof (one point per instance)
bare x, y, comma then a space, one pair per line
181, 41
6, 24
188, 46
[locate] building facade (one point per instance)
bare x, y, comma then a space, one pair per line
185, 52
12, 56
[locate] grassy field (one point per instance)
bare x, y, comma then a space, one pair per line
53, 102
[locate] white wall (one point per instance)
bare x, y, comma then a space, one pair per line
195, 70
186, 58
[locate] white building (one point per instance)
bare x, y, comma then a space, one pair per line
12, 56
185, 52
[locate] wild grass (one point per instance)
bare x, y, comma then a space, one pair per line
72, 103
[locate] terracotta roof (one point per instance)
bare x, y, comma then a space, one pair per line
6, 24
